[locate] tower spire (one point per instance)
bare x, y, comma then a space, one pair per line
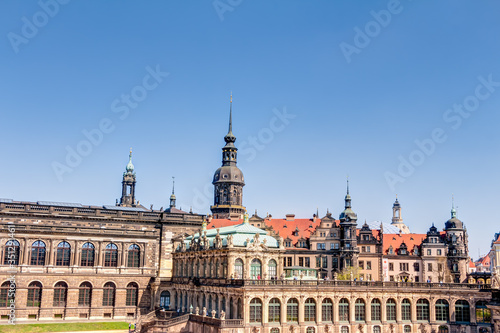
348, 196
453, 210
172, 197
231, 113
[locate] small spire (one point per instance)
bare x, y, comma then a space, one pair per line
245, 218
130, 166
347, 185
317, 212
453, 210
230, 138
172, 197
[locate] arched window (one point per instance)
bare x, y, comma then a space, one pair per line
376, 329
11, 256
204, 269
111, 255
442, 310
327, 310
60, 294
310, 310
240, 309
38, 253
238, 269
231, 309
310, 330
274, 311
88, 255
462, 311
63, 254
255, 269
85, 294
344, 310
292, 310
34, 294
406, 309
359, 310
108, 295
217, 269
4, 295
390, 310
165, 299
272, 269
483, 314
197, 269
274, 330
209, 303
132, 291
134, 255
423, 309
255, 310
344, 329
376, 316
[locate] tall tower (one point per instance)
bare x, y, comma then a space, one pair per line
228, 179
348, 242
458, 252
128, 185
397, 219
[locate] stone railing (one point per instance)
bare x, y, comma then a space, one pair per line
328, 283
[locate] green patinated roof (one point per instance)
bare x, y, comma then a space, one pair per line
241, 233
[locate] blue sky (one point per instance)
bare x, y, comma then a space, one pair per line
355, 104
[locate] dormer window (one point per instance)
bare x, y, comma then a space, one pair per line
391, 250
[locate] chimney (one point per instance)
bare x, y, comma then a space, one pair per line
290, 217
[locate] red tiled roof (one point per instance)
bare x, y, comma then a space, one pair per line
471, 264
286, 229
497, 241
397, 239
485, 261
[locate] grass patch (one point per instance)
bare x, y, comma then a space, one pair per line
64, 327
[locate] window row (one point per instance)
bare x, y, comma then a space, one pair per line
216, 269
462, 310
63, 254
85, 291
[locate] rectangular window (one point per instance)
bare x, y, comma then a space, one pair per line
361, 264
368, 249
429, 252
416, 267
438, 252
308, 262
368, 277
335, 263
391, 278
336, 246
391, 266
332, 246
429, 267
369, 265
324, 263
301, 261
440, 267
417, 279
363, 249
318, 262
403, 266
289, 261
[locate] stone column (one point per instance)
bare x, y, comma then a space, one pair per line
413, 310
352, 317
121, 255
50, 254
319, 309
283, 310
368, 311
25, 253
432, 310
336, 301
100, 254
265, 308
301, 309
398, 310
246, 310
383, 308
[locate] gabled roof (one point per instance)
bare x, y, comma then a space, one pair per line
395, 240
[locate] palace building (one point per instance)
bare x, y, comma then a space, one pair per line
176, 271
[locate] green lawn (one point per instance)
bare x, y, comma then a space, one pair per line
69, 327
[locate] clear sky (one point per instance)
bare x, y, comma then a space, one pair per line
401, 96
